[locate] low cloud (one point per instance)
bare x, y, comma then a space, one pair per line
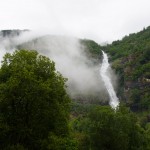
71, 60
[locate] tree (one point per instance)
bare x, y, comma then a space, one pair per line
115, 130
33, 101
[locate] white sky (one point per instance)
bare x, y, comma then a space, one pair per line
100, 20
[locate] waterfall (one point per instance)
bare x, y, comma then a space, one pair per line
114, 101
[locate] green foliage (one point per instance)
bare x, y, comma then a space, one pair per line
131, 59
105, 128
34, 106
33, 100
79, 124
61, 143
108, 129
135, 95
92, 48
15, 147
115, 129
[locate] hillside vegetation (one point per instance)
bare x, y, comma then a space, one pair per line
36, 112
130, 58
99, 127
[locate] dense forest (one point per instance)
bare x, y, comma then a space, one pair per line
36, 113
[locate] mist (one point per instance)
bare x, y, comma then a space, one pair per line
71, 60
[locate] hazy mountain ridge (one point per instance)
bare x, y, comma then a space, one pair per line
11, 33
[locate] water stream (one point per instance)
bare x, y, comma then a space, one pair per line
114, 101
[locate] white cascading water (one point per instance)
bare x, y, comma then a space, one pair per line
114, 101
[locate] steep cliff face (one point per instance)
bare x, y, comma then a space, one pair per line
131, 59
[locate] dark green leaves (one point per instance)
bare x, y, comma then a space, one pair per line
33, 100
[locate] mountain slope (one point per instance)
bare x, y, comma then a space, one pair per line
131, 59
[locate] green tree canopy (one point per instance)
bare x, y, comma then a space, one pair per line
33, 101
116, 130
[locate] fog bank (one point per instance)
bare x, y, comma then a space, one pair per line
71, 60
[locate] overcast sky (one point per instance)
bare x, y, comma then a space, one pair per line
100, 20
